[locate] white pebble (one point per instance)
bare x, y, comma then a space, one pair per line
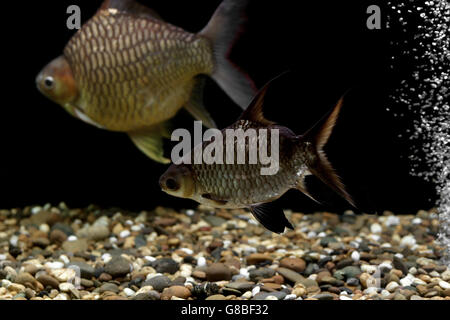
66, 287
370, 269
354, 244
392, 286
64, 259
322, 235
128, 292
62, 297
418, 281
150, 259
392, 221
416, 221
311, 235
136, 228
271, 298
227, 244
106, 258
125, 234
356, 256
344, 298
385, 265
201, 262
44, 228
113, 240
36, 210
399, 255
290, 297
2, 257
247, 295
187, 251
14, 241
371, 291
256, 290
444, 285
407, 281
72, 239
190, 213
54, 265
408, 241
376, 228
385, 293
412, 270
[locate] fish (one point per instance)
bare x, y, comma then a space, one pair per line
235, 185
127, 70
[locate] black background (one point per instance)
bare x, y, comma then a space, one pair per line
48, 156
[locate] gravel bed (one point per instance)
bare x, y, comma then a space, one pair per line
58, 253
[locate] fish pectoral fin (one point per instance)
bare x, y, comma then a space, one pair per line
151, 143
214, 199
271, 217
196, 107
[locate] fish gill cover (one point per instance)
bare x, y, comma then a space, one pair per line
423, 95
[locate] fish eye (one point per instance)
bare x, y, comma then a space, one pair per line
49, 82
172, 185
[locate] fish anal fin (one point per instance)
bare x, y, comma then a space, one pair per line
150, 142
271, 217
301, 186
196, 107
130, 7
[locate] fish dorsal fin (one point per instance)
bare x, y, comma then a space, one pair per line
130, 7
255, 112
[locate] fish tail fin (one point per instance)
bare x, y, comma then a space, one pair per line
318, 163
222, 31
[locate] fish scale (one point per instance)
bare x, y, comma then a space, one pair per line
161, 52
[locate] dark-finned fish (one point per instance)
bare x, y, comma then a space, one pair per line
127, 70
243, 186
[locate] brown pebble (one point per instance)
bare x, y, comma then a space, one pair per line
218, 272
58, 237
199, 275
105, 277
295, 264
273, 286
176, 291
256, 258
49, 281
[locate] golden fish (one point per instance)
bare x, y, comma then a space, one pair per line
127, 70
226, 184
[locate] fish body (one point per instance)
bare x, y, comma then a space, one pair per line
242, 185
127, 70
134, 72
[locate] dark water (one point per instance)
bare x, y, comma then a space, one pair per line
47, 156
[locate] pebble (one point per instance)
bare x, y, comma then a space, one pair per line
166, 265
159, 283
118, 267
49, 281
218, 272
174, 256
295, 264
355, 256
290, 275
257, 258
175, 291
